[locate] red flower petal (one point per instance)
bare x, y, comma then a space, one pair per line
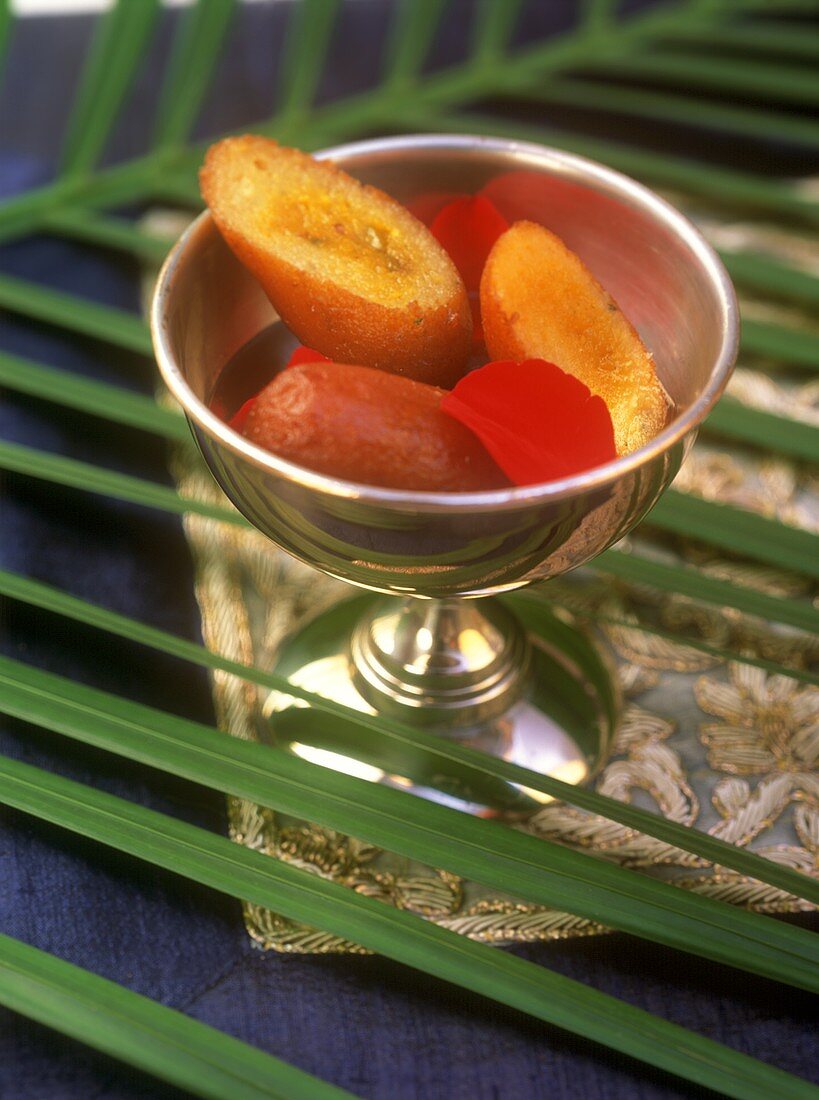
467, 228
425, 207
303, 354
237, 421
538, 423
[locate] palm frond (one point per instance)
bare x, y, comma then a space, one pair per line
756, 427
412, 33
196, 51
595, 65
773, 279
116, 53
399, 742
792, 347
145, 1034
241, 872
40, 303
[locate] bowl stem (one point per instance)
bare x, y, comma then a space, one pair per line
449, 663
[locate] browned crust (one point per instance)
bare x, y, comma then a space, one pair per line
539, 301
426, 337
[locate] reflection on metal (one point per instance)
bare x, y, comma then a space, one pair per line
664, 276
440, 663
328, 677
475, 675
337, 761
475, 648
571, 771
558, 719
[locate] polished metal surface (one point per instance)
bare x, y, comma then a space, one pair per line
451, 662
556, 713
666, 278
472, 674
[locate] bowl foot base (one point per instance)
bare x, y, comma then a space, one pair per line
508, 678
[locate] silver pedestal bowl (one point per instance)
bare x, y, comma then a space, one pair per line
536, 692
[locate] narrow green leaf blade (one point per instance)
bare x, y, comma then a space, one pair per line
799, 41
735, 76
772, 278
684, 640
598, 16
763, 125
687, 581
72, 391
533, 869
494, 24
400, 741
122, 183
412, 32
5, 29
758, 428
116, 51
737, 531
195, 54
137, 1030
67, 311
791, 346
308, 39
243, 873
29, 462
90, 227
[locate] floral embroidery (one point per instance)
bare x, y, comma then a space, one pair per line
251, 597
769, 723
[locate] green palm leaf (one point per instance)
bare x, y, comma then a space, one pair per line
533, 869
243, 873
195, 54
405, 743
764, 429
113, 61
587, 67
197, 1058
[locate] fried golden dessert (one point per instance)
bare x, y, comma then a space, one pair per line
349, 270
368, 426
539, 301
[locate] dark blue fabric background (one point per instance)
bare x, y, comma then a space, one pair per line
366, 1024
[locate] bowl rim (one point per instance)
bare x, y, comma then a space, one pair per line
513, 497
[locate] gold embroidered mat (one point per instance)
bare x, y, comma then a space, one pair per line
723, 747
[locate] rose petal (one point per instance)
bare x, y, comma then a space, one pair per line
538, 422
237, 421
425, 207
468, 228
303, 354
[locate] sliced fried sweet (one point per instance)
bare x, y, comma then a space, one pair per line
369, 426
539, 301
350, 271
